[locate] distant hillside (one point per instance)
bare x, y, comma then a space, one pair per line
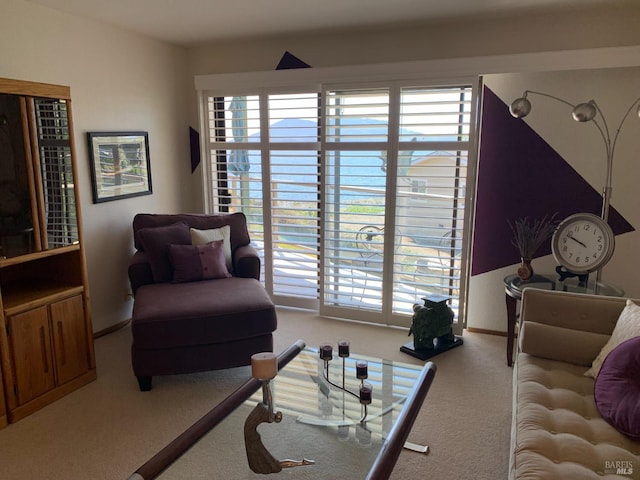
300, 130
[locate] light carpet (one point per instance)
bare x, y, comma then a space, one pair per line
108, 428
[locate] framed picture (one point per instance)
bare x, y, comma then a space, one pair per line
120, 166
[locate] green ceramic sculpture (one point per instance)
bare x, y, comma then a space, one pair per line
432, 321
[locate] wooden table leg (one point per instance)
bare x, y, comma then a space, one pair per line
511, 326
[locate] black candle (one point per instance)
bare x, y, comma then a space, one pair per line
326, 351
365, 393
361, 369
343, 348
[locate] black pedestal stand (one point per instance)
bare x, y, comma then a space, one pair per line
425, 354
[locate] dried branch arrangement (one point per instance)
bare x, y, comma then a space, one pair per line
528, 236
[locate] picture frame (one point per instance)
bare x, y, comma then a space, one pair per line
120, 165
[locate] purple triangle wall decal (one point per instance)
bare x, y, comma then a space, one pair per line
521, 175
290, 61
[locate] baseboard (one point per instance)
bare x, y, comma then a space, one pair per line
124, 323
111, 329
487, 332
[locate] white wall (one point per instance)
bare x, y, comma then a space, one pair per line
582, 147
119, 81
579, 29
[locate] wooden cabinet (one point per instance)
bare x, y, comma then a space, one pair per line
46, 339
48, 347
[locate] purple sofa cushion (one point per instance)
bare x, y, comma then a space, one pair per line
617, 388
168, 315
156, 243
193, 263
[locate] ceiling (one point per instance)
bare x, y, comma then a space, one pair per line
195, 22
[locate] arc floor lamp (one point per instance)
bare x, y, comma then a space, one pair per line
585, 112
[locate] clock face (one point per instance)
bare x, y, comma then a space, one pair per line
582, 243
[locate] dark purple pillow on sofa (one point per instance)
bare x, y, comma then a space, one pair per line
156, 243
617, 388
198, 262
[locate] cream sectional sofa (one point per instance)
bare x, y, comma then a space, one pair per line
557, 432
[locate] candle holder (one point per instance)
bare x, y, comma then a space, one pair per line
362, 373
343, 352
343, 348
267, 399
362, 370
264, 368
366, 395
326, 355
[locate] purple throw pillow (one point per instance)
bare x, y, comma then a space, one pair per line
198, 262
617, 388
156, 241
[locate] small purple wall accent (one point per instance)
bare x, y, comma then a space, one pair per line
290, 61
521, 175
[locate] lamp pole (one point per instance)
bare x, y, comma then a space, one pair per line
585, 112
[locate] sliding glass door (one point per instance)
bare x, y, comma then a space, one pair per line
395, 160
355, 197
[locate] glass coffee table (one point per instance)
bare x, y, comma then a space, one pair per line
323, 421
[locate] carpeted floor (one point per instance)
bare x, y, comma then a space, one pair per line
108, 428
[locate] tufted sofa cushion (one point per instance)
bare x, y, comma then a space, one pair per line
557, 432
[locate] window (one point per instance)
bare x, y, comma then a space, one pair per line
355, 197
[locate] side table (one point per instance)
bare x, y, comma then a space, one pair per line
514, 285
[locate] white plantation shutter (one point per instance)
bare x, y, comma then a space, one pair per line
236, 164
356, 139
266, 164
355, 197
431, 187
395, 163
295, 203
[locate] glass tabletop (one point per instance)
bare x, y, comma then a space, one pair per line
323, 420
547, 282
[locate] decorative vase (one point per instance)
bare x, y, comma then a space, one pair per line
525, 271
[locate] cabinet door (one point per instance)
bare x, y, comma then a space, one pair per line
55, 185
69, 338
31, 348
16, 179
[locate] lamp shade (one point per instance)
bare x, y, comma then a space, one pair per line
584, 112
520, 107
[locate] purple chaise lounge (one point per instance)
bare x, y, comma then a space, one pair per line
187, 322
